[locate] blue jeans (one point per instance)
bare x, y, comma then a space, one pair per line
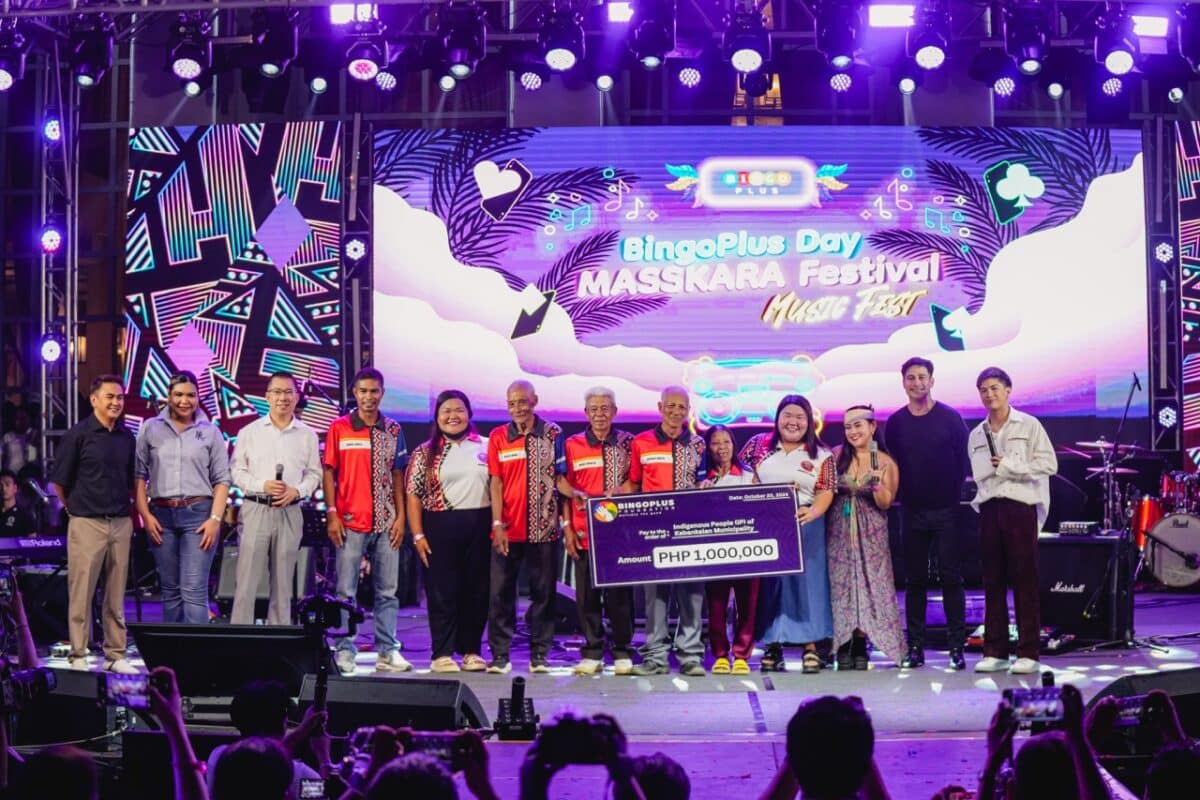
183, 568
385, 569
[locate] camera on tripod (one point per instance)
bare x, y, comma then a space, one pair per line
19, 689
320, 613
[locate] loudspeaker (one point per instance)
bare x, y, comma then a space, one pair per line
71, 712
425, 704
44, 592
1084, 584
1182, 684
217, 660
227, 578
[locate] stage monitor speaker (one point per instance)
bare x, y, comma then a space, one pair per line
71, 712
1183, 685
227, 577
1084, 584
217, 660
425, 704
44, 592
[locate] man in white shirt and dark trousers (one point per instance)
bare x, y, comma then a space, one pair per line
276, 462
1012, 460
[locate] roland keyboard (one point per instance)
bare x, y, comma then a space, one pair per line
33, 546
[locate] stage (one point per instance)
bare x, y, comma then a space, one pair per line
930, 723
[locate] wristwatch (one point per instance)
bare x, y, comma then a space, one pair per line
214, 517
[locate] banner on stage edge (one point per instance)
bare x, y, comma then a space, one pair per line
694, 535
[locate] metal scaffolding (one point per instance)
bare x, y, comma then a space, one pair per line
58, 313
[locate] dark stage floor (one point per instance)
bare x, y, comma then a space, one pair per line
728, 732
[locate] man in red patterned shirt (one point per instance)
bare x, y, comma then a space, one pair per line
665, 458
365, 456
523, 459
596, 464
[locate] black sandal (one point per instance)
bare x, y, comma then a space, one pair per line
811, 662
859, 653
844, 660
772, 660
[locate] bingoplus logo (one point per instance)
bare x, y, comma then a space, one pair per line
757, 182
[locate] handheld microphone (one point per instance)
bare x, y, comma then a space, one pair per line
874, 455
991, 443
279, 472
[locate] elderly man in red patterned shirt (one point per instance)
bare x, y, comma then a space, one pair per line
523, 462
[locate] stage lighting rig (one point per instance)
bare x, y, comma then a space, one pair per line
689, 77
51, 348
837, 24
1026, 35
560, 37
755, 84
1115, 44
189, 52
276, 40
365, 58
653, 32
14, 46
90, 46
605, 82
928, 40
530, 79
462, 33
52, 127
747, 44
50, 237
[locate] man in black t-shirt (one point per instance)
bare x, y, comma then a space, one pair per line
14, 520
928, 440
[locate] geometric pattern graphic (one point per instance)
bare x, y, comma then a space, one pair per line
232, 264
1187, 159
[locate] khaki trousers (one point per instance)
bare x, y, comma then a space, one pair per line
96, 544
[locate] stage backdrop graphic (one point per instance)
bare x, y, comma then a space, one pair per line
746, 263
232, 265
1188, 170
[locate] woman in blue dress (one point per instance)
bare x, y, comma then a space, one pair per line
795, 609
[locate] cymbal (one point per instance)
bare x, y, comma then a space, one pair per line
1115, 470
1100, 444
1063, 450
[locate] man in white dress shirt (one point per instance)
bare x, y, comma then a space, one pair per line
276, 462
1012, 460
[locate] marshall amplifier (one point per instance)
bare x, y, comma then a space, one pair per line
1085, 586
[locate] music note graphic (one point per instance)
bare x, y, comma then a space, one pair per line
883, 212
896, 187
585, 211
633, 213
935, 220
620, 189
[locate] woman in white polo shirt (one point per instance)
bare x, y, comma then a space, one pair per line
449, 512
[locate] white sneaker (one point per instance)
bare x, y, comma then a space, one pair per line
623, 666
78, 664
345, 662
121, 666
588, 666
991, 664
1024, 666
392, 662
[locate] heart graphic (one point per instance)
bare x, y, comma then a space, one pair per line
493, 181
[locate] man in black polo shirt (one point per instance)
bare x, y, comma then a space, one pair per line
14, 520
928, 440
93, 477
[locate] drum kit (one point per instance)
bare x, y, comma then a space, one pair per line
1164, 528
